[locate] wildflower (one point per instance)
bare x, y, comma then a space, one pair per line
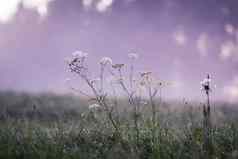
105, 61
206, 84
146, 79
94, 106
76, 63
145, 74
79, 54
118, 66
133, 56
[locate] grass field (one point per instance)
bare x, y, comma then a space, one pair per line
63, 127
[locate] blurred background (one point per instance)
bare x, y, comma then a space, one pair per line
178, 40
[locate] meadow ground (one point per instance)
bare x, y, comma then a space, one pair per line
63, 127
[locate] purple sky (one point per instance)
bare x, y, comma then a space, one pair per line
179, 40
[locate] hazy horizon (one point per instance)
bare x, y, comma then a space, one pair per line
179, 41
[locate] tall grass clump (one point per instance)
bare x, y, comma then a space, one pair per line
119, 115
88, 134
207, 127
140, 88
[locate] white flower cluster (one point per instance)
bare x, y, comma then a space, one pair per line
94, 106
106, 61
76, 63
79, 54
205, 83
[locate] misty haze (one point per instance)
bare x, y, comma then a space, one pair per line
136, 79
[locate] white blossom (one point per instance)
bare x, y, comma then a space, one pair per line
77, 63
94, 106
145, 74
79, 54
205, 83
105, 61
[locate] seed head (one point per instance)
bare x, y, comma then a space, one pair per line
205, 83
118, 66
79, 54
76, 62
145, 74
105, 61
94, 106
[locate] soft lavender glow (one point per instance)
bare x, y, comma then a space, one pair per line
180, 41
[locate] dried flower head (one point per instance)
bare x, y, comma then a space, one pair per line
79, 54
94, 106
106, 61
133, 56
205, 83
145, 74
118, 66
147, 79
76, 63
